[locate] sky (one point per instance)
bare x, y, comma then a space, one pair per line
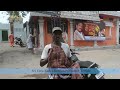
4, 17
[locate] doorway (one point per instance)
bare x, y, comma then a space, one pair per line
4, 35
119, 35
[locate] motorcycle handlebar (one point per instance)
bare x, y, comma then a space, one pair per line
73, 52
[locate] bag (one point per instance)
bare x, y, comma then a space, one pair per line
57, 58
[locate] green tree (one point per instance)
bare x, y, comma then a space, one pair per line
15, 16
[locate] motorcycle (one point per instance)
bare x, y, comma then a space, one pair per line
83, 65
18, 41
88, 65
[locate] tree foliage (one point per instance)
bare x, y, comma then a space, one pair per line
17, 13
24, 13
15, 16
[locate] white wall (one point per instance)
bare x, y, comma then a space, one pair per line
4, 26
19, 30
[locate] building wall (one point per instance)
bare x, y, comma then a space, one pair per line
109, 41
47, 36
19, 30
0, 35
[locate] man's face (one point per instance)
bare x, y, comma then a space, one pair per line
57, 35
79, 27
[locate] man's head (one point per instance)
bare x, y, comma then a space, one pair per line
79, 26
57, 34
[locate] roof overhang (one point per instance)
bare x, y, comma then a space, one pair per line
84, 15
39, 14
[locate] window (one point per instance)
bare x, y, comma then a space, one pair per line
63, 23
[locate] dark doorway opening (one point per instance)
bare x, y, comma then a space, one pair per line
4, 35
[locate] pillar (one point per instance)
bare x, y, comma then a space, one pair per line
41, 35
71, 33
117, 32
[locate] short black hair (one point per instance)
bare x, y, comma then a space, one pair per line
79, 21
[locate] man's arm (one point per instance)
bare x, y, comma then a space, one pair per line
44, 56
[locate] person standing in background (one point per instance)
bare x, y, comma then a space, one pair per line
29, 42
11, 40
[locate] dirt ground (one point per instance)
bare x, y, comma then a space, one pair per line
17, 57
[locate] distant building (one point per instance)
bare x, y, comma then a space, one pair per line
18, 31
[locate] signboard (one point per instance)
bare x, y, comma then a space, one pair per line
84, 30
90, 38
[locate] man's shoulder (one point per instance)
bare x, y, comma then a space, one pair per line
48, 46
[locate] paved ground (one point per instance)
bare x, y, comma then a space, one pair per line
18, 57
109, 58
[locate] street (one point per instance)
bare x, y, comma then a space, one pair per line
17, 57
